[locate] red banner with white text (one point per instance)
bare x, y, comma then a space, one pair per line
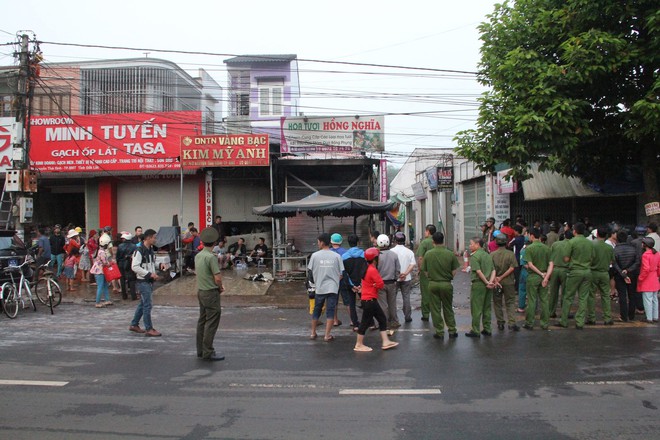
110, 142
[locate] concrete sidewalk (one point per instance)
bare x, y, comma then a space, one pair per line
283, 295
239, 292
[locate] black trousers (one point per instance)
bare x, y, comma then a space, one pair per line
127, 283
370, 310
626, 299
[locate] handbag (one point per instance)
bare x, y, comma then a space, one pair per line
111, 272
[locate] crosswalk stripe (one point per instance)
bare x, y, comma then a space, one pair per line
389, 392
36, 383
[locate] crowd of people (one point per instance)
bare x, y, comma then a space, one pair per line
515, 268
234, 255
557, 261
128, 265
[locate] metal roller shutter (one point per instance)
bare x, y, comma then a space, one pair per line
474, 209
152, 203
234, 199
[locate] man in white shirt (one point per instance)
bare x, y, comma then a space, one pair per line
407, 263
652, 231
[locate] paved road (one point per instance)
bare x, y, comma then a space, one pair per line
600, 383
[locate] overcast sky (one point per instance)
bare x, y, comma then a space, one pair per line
425, 34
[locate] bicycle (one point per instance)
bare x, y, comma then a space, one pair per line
47, 289
13, 295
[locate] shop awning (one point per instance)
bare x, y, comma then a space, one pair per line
549, 185
118, 174
400, 198
317, 205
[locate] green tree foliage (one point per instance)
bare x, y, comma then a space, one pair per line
574, 85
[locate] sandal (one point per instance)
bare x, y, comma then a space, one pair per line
329, 338
337, 324
314, 336
390, 345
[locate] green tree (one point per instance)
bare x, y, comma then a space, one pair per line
574, 86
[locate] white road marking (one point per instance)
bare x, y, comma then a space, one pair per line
35, 383
389, 392
270, 385
612, 382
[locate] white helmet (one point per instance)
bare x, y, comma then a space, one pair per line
383, 241
104, 240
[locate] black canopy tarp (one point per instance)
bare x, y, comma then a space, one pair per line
166, 235
317, 205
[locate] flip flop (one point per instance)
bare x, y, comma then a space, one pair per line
312, 337
337, 324
390, 345
329, 338
363, 349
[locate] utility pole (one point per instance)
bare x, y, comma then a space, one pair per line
16, 205
21, 161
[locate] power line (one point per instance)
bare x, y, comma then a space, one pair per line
265, 57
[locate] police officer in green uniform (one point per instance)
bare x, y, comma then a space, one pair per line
425, 246
505, 263
558, 251
481, 292
439, 266
600, 278
578, 280
209, 288
539, 267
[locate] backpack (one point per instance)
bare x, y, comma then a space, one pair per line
130, 274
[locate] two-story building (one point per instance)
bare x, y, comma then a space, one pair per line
104, 138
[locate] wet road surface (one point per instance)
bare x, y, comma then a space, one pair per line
80, 374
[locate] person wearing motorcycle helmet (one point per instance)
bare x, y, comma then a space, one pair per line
389, 268
100, 261
371, 284
492, 245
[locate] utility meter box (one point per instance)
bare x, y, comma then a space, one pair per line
17, 154
16, 133
29, 181
25, 210
13, 180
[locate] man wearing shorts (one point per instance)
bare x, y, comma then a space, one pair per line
325, 268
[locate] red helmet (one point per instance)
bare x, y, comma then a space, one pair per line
371, 253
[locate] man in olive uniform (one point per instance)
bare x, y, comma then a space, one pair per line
209, 288
558, 251
553, 235
505, 263
578, 280
481, 292
539, 268
600, 278
425, 246
440, 266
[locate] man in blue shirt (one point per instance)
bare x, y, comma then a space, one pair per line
43, 250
